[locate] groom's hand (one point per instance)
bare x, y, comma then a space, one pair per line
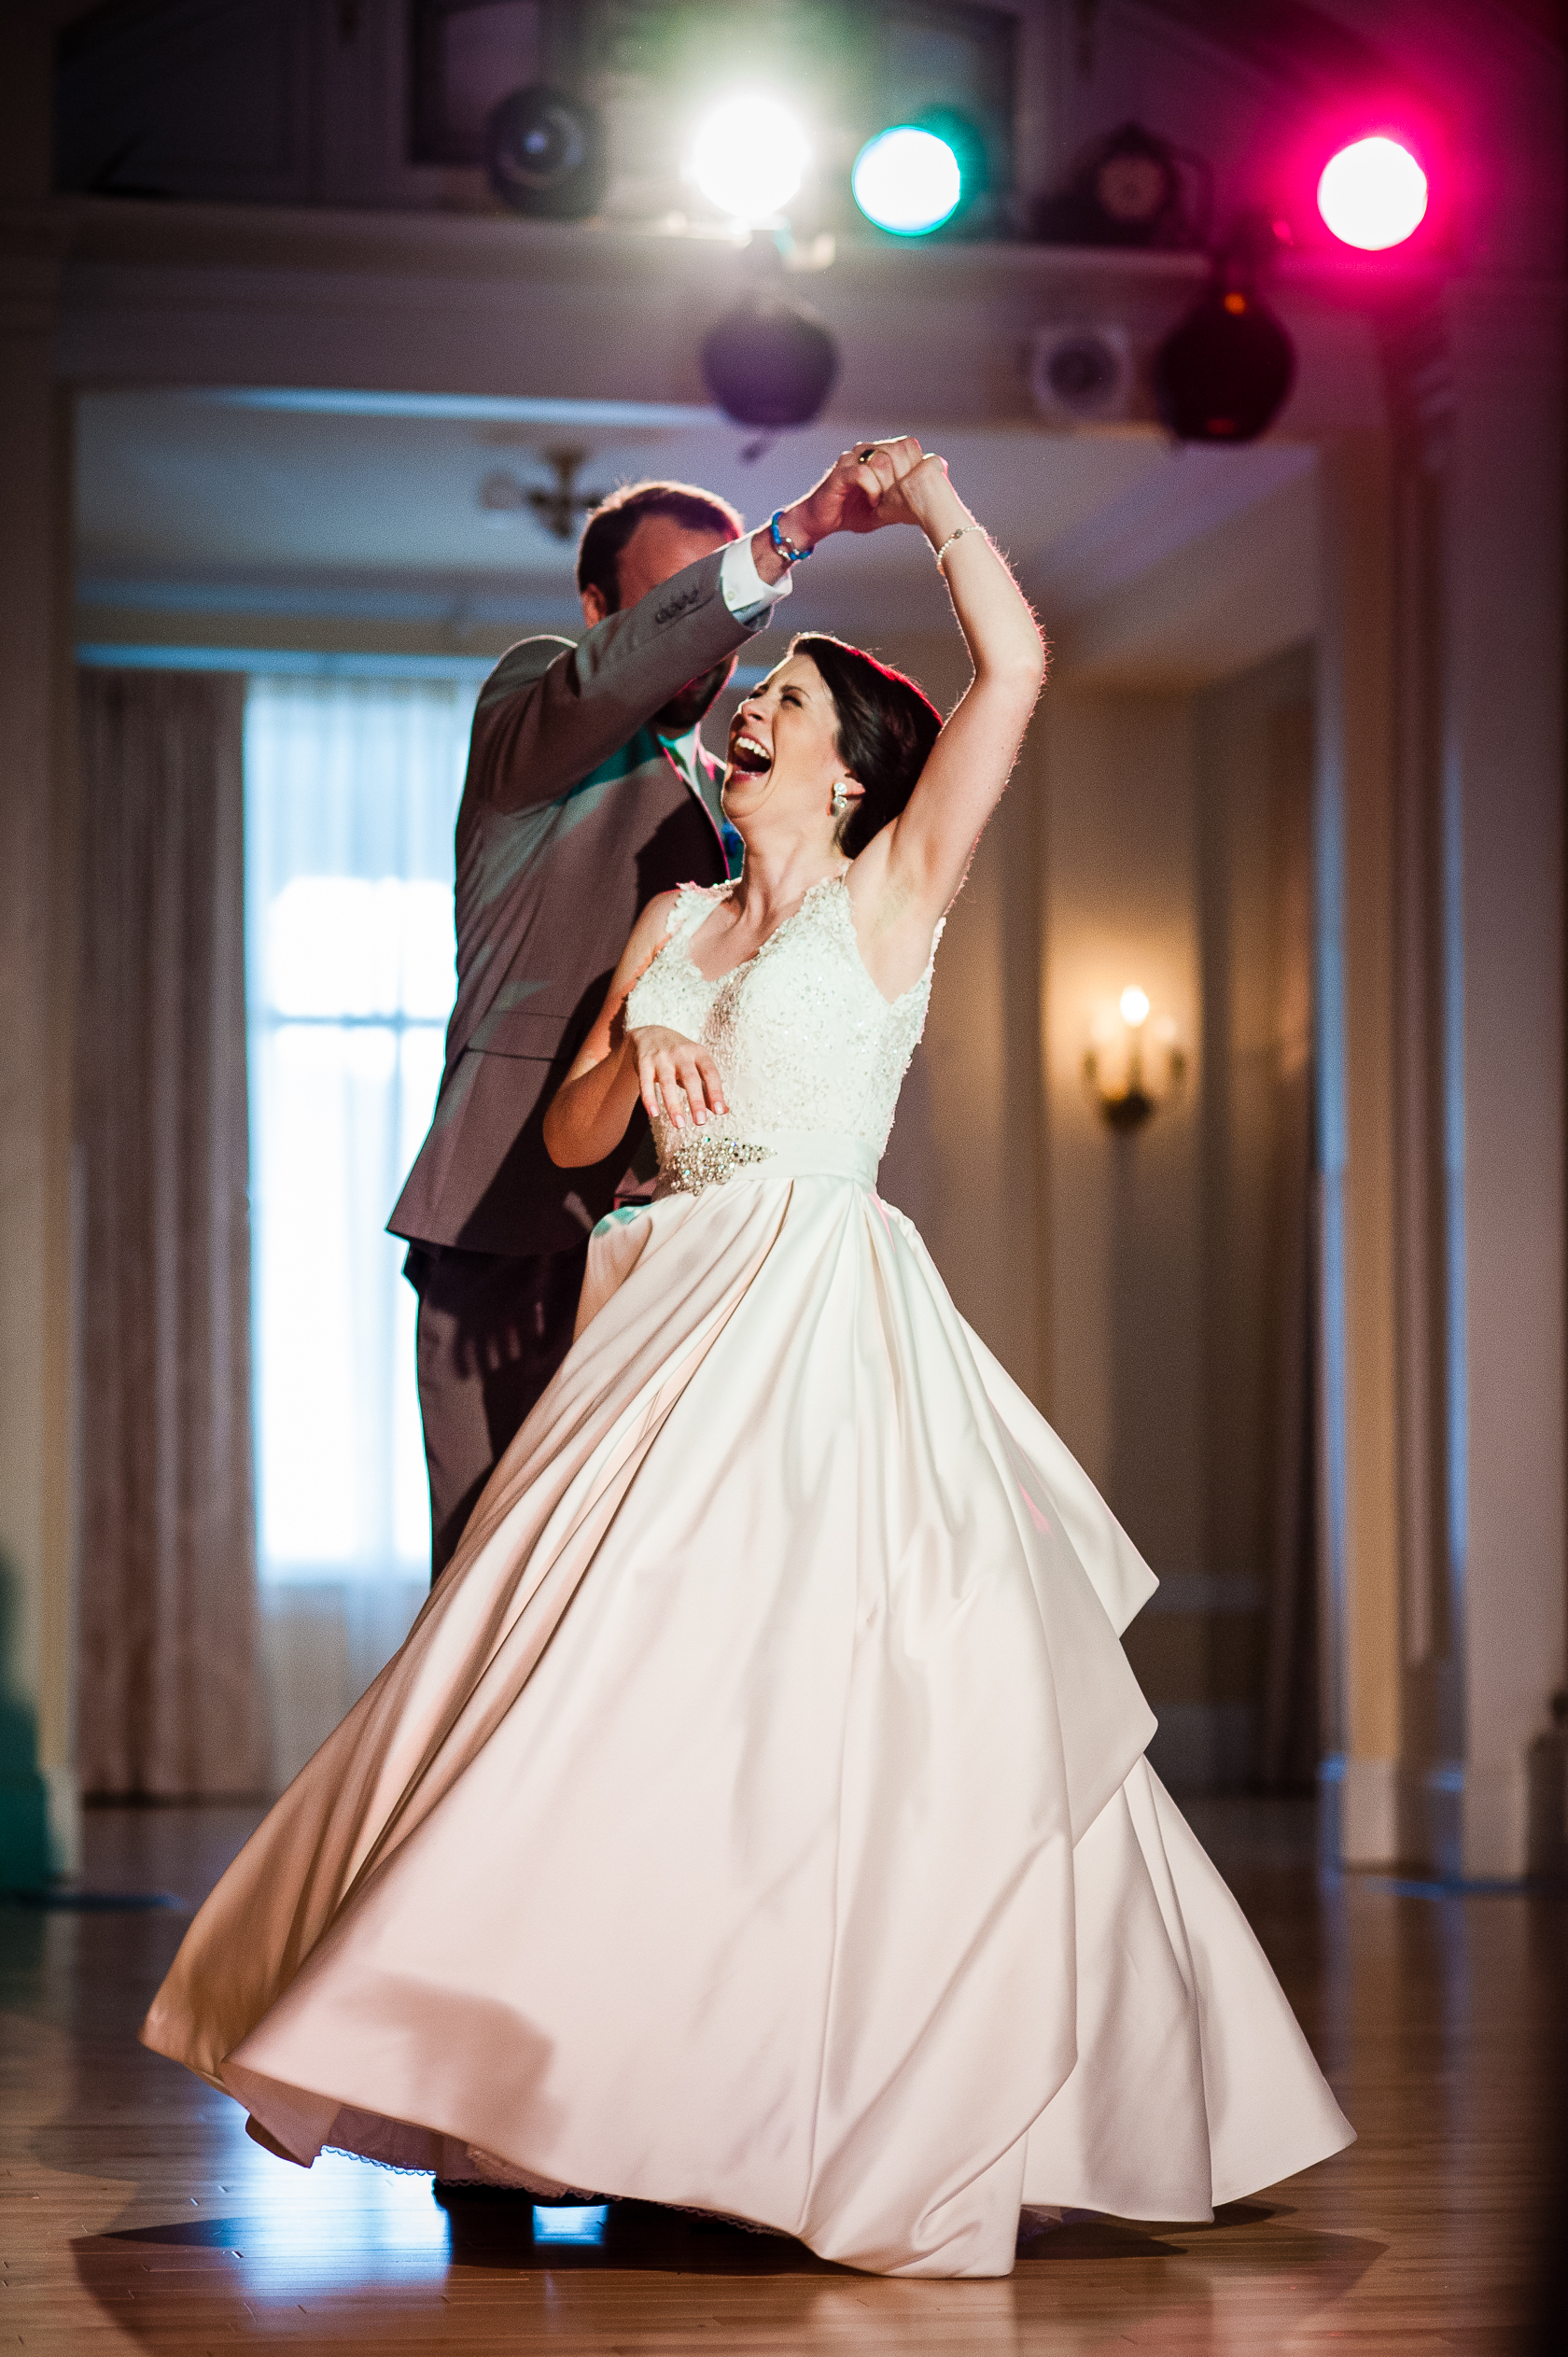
845, 501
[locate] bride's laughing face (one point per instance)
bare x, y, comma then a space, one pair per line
783, 757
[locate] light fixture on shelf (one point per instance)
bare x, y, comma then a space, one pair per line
1133, 1063
545, 149
1130, 188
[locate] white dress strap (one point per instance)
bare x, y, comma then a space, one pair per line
693, 904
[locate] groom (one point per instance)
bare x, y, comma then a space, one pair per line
588, 791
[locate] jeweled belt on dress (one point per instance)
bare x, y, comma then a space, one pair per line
695, 1160
699, 1160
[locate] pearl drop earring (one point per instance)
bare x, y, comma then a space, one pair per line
840, 798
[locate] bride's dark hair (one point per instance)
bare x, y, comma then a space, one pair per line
887, 727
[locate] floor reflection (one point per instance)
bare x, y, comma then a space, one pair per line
144, 2217
288, 2230
583, 2228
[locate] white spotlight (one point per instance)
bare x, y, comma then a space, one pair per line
750, 157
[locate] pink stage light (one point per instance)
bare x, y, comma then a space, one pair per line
1373, 195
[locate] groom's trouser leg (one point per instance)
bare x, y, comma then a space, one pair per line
493, 1329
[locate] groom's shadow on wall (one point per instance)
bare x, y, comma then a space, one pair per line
525, 1173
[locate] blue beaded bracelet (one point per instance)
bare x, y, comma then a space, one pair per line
786, 548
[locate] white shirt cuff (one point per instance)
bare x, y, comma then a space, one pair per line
747, 595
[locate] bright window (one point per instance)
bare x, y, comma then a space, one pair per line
351, 795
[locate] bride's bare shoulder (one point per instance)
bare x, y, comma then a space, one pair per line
650, 934
678, 910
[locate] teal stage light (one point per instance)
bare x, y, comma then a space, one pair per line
907, 180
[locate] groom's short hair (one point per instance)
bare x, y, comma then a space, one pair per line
615, 519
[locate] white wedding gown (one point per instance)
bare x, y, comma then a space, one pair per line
756, 1817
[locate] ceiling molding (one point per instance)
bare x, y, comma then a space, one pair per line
1285, 43
1245, 591
467, 409
1203, 489
246, 238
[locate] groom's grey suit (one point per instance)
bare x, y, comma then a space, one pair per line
574, 815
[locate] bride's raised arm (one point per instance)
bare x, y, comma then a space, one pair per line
907, 874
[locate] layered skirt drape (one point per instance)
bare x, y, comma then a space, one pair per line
756, 1820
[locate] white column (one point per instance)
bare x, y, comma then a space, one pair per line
1503, 785
1359, 1521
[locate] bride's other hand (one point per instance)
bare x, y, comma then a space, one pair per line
587, 1116
618, 1063
675, 1077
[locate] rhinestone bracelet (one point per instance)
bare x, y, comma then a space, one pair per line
955, 536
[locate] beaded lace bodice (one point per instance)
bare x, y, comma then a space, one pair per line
803, 1037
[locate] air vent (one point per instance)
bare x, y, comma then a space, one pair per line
1081, 374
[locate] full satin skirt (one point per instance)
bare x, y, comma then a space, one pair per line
756, 1817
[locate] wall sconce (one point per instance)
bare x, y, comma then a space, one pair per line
1133, 1064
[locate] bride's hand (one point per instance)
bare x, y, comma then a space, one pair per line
673, 1067
847, 499
914, 489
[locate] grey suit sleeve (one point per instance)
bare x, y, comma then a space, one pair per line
550, 712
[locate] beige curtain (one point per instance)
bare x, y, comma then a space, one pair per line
171, 1693
1289, 1739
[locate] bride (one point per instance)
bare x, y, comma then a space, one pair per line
756, 1819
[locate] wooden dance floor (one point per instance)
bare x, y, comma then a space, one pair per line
136, 2215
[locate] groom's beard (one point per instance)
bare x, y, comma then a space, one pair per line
684, 711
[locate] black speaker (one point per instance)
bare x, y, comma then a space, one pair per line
1225, 372
770, 362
